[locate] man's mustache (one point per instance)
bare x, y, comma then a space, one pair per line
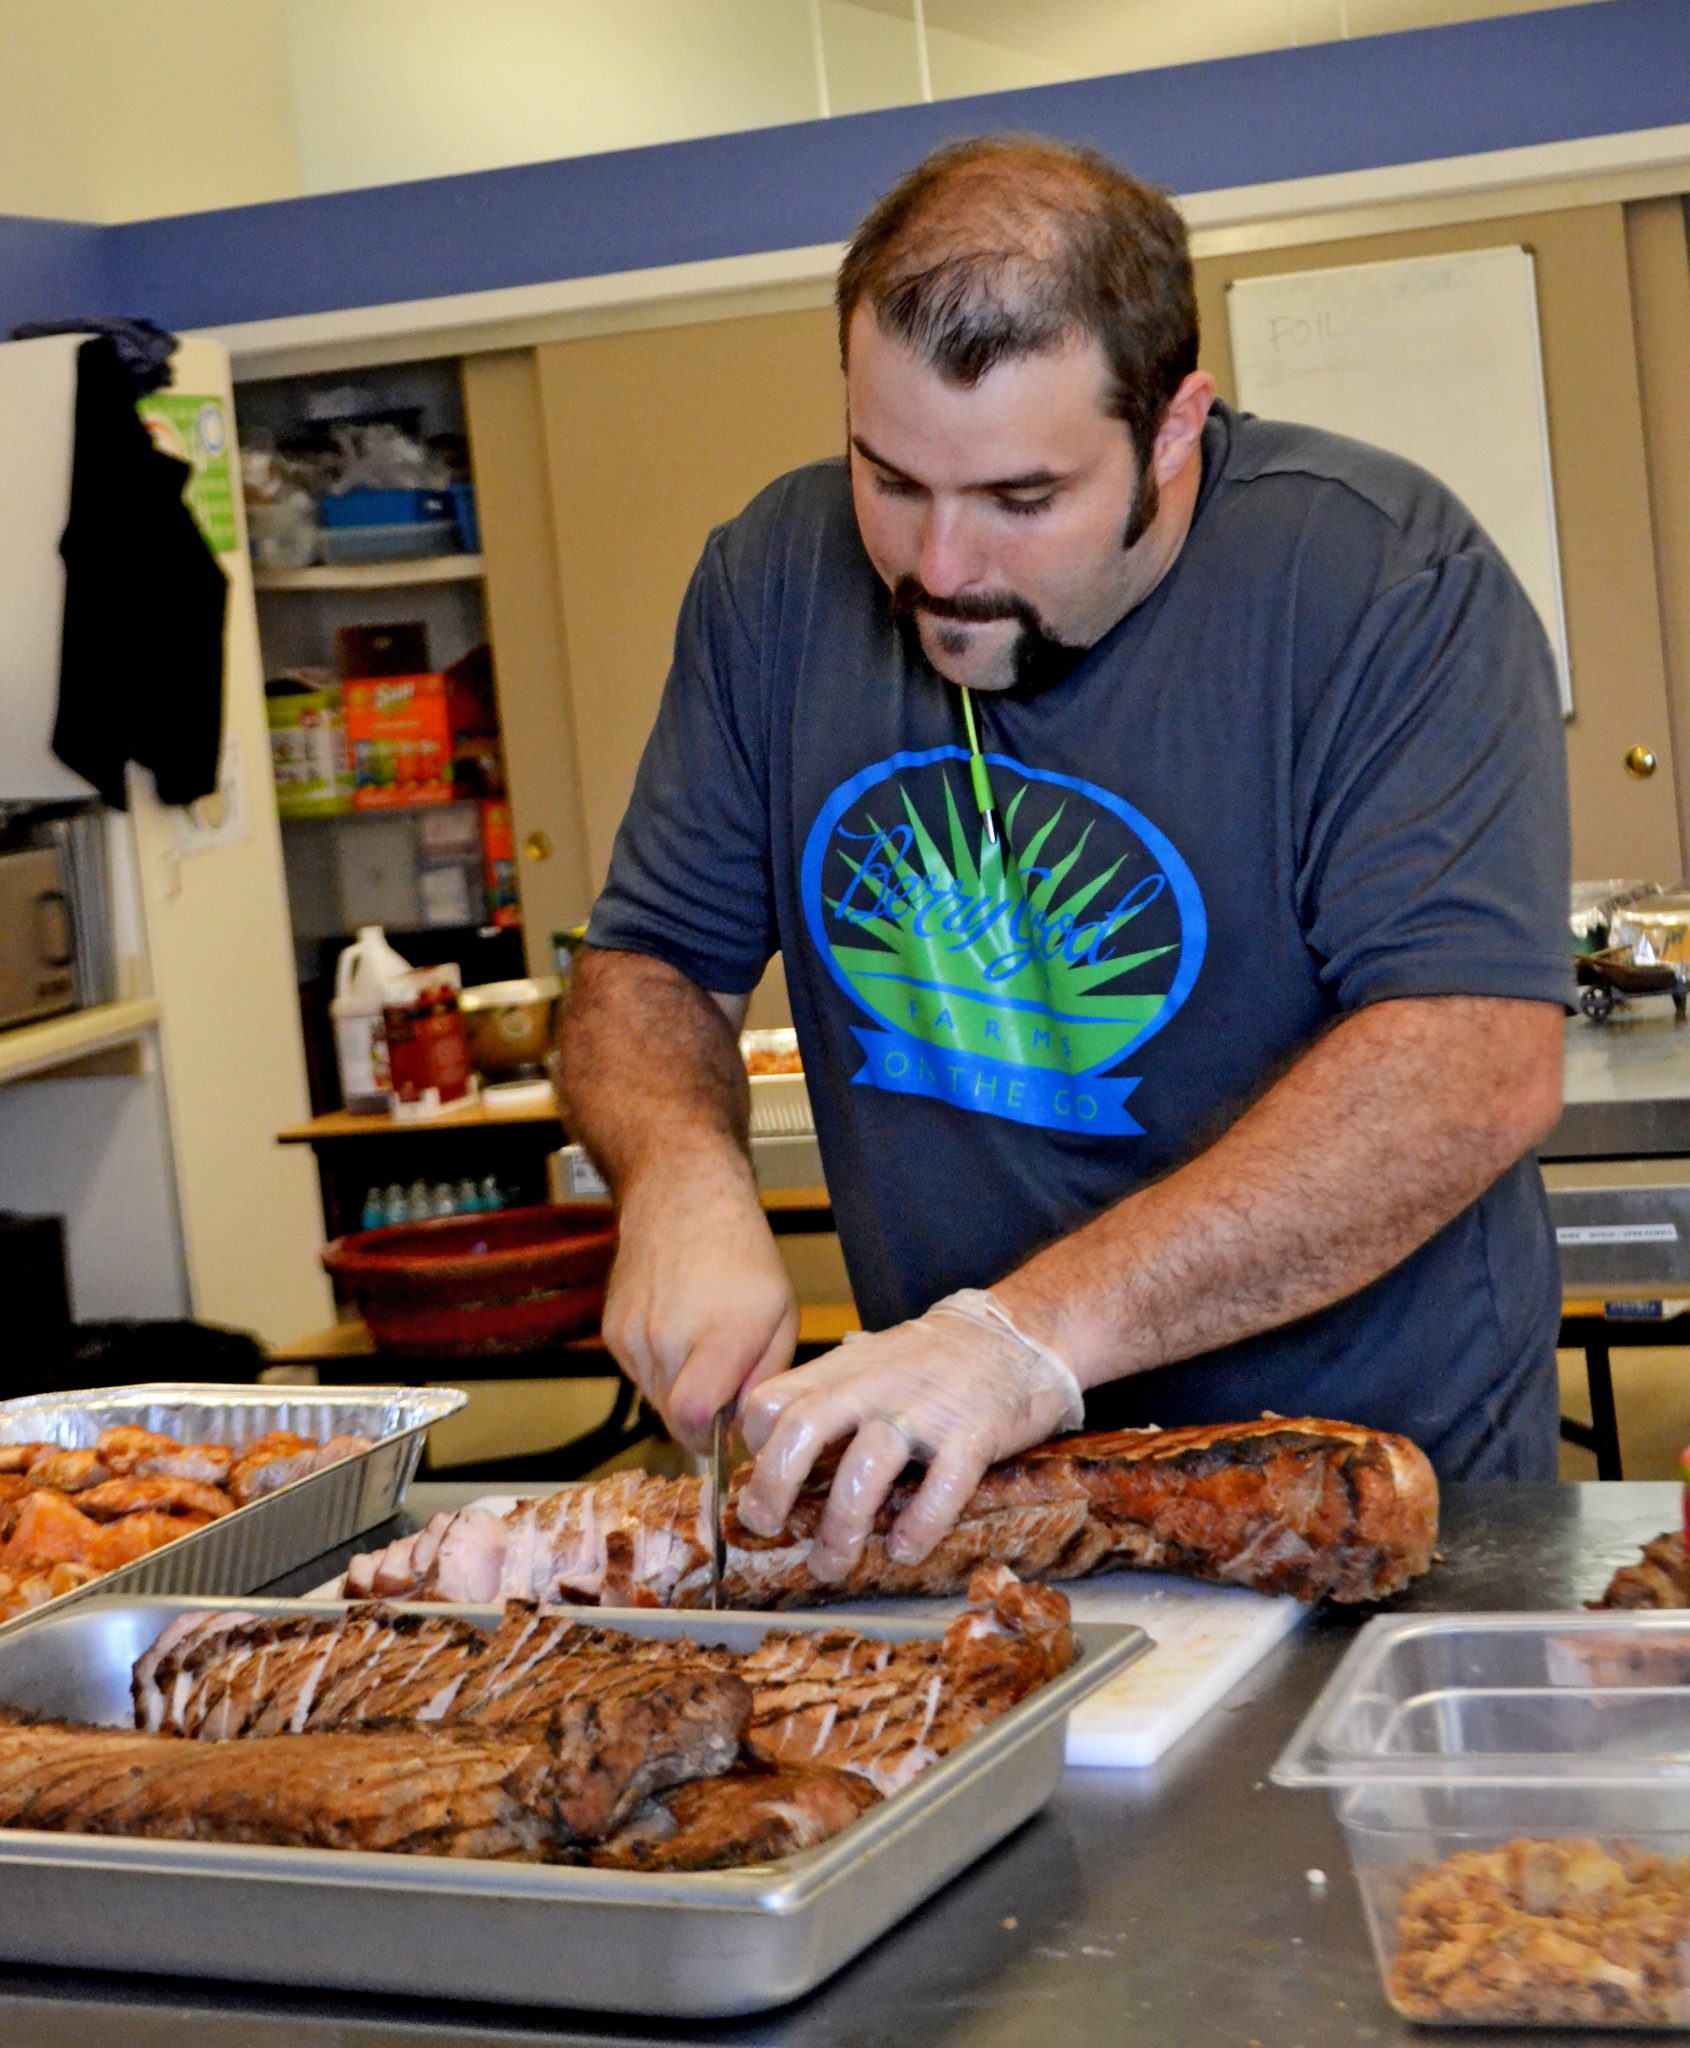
910, 595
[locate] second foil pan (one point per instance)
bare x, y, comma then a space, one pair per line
268, 1537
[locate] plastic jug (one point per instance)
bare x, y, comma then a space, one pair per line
360, 1043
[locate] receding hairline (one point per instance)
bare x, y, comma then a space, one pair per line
1019, 246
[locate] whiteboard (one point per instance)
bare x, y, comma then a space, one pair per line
1436, 358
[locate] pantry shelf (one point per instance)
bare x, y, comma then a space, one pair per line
374, 575
60, 1041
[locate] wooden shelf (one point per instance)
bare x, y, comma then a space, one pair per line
820, 1325
60, 1041
357, 813
374, 575
341, 1124
782, 1201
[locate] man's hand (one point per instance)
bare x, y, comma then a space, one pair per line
650, 1079
699, 1306
958, 1389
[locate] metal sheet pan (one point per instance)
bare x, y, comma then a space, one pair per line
692, 1944
270, 1536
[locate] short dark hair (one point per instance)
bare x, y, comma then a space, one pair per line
1011, 246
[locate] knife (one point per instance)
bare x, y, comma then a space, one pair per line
720, 1429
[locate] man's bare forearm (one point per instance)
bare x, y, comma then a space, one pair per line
1376, 1138
649, 1067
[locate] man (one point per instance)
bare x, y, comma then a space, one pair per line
1161, 814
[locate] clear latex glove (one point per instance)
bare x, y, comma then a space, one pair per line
700, 1306
957, 1389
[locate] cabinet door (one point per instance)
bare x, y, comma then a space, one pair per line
651, 440
1622, 825
530, 656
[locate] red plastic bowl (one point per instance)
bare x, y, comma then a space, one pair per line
473, 1286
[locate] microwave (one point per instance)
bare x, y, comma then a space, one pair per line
37, 951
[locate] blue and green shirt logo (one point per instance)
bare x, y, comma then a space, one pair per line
1005, 978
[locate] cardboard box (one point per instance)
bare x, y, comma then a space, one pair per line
309, 752
400, 732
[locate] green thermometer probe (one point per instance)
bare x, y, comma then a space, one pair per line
977, 772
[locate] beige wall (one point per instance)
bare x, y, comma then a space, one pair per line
459, 88
115, 110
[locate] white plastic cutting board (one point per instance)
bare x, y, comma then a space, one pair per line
1204, 1640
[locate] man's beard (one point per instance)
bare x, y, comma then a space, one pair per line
1039, 656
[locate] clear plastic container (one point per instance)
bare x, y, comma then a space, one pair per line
389, 543
1515, 1793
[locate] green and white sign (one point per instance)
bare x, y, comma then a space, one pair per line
196, 431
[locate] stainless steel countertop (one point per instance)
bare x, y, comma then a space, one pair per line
1166, 1906
1627, 1086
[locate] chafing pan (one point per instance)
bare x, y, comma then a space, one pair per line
696, 1943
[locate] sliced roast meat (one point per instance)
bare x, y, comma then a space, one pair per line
745, 1816
1302, 1506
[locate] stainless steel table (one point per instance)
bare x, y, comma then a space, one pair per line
1161, 1907
1626, 1087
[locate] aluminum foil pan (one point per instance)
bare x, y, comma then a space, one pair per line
276, 1534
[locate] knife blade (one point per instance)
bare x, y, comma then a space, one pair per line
720, 1429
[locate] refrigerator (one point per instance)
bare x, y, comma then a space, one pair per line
161, 1155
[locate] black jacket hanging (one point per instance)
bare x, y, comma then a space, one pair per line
141, 661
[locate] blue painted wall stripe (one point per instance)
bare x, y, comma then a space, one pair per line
52, 270
1544, 77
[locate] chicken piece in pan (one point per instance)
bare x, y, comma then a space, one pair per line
131, 1452
50, 1529
138, 1535
22, 1590
67, 1471
280, 1458
117, 1497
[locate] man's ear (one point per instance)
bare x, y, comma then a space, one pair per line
1182, 425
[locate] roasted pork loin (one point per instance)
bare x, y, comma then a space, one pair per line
1317, 1509
833, 1698
549, 1739
533, 1793
1659, 1578
745, 1816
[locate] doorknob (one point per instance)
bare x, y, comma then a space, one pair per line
1641, 762
538, 845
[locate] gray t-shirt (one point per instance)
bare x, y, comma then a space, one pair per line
1320, 766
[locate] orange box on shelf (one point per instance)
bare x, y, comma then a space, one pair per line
399, 730
498, 859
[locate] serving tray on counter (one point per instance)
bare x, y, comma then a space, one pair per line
251, 1545
694, 1943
